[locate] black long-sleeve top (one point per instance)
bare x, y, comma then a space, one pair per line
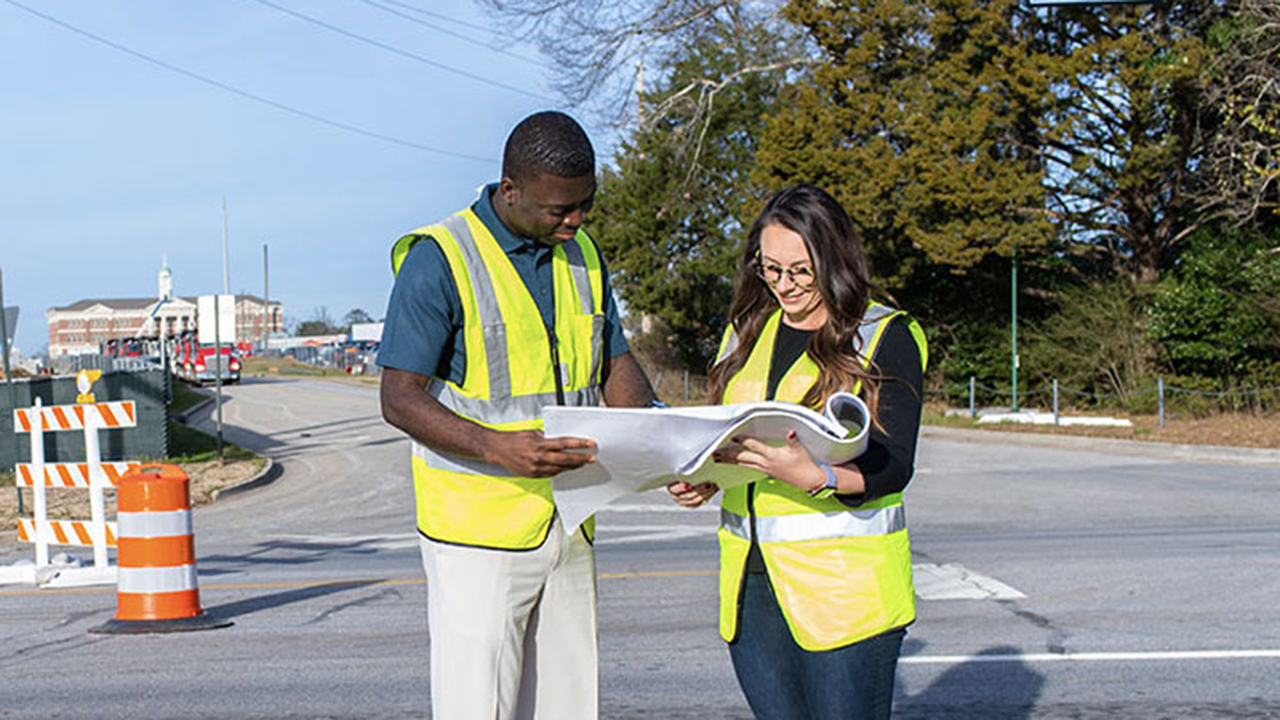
889, 461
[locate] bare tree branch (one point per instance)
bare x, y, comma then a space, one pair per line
593, 45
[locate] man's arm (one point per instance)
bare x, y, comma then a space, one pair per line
407, 406
625, 384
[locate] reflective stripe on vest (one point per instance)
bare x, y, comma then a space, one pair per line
820, 554
816, 526
508, 380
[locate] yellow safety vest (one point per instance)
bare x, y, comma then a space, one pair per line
840, 574
509, 378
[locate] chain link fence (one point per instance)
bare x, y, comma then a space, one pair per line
72, 364
352, 359
1157, 397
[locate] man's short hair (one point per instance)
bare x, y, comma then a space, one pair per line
549, 143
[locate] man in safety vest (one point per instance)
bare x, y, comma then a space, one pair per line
497, 311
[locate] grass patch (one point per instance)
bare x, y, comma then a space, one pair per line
936, 415
300, 369
6, 479
189, 445
289, 367
184, 398
286, 366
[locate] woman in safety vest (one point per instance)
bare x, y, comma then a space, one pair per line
815, 565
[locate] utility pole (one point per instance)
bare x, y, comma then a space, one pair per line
1013, 331
226, 265
217, 373
217, 329
13, 395
266, 300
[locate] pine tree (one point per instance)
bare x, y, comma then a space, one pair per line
955, 129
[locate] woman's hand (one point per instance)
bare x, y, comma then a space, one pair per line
790, 463
691, 496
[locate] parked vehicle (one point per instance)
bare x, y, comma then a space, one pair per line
205, 365
197, 363
125, 347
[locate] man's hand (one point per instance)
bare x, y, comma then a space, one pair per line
528, 453
407, 405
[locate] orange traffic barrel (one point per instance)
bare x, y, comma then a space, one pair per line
156, 587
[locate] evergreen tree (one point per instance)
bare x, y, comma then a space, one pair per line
921, 119
955, 129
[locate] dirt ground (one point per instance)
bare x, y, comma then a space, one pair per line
73, 504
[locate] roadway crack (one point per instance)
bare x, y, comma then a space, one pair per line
384, 593
76, 616
1057, 637
24, 655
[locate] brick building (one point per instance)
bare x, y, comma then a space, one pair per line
81, 327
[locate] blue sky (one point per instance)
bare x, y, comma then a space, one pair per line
108, 162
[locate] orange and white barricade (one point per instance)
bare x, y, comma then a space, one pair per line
156, 591
93, 475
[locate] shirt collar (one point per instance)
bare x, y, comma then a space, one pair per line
507, 240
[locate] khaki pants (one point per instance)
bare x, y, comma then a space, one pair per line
513, 634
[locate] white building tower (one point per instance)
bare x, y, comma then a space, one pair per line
166, 279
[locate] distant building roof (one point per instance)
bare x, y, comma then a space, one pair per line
113, 303
138, 303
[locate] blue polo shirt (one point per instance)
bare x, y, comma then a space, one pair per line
423, 329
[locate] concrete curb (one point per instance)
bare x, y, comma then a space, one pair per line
184, 416
1137, 448
267, 475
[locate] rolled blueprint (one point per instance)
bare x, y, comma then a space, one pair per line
641, 449
836, 436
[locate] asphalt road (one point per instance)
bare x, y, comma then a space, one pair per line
1054, 584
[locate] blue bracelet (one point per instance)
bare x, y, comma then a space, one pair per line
828, 488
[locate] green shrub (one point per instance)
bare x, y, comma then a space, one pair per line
1095, 343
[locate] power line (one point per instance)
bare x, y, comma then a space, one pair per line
398, 51
446, 31
242, 93
438, 16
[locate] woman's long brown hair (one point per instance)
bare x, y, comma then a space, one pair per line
843, 280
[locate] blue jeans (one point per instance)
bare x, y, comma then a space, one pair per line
783, 681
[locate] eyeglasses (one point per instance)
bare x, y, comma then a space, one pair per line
802, 276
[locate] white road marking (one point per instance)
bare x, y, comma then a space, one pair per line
1158, 655
956, 582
